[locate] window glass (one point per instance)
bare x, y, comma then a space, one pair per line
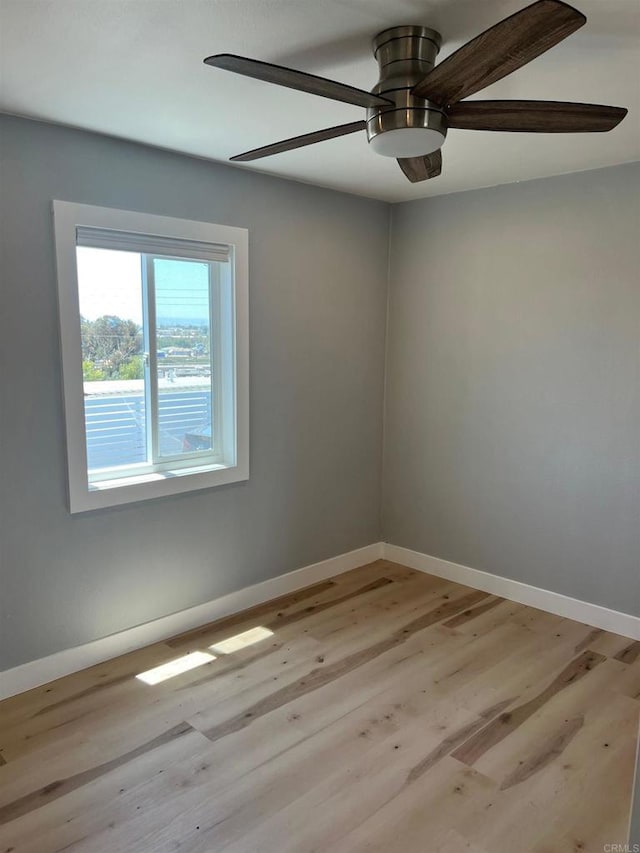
110, 298
184, 355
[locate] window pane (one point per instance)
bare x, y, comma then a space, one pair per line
110, 294
183, 348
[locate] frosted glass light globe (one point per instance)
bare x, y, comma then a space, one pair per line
407, 142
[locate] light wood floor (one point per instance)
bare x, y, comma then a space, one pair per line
389, 711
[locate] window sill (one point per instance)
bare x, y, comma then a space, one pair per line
156, 485
154, 476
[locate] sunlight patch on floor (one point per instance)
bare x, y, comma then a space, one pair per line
175, 667
241, 641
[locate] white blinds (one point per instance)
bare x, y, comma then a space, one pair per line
150, 244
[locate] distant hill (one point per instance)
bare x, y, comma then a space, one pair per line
182, 321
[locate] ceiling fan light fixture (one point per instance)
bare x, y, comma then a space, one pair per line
407, 142
407, 131
415, 101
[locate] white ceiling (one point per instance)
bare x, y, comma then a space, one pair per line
133, 69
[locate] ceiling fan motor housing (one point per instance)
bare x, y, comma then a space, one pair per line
412, 127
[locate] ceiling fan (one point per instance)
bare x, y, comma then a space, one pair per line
414, 103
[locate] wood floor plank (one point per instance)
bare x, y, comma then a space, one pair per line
60, 787
68, 690
228, 796
529, 743
508, 721
236, 803
501, 642
320, 593
615, 646
350, 633
227, 683
338, 732
393, 717
630, 653
73, 819
270, 745
319, 597
568, 795
319, 677
472, 613
424, 814
629, 681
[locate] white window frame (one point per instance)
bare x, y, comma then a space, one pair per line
232, 462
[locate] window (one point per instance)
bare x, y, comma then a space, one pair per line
154, 325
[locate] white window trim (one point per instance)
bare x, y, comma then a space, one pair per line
235, 467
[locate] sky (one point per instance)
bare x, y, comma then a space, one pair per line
110, 282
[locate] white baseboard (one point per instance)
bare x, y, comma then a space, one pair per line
543, 599
43, 670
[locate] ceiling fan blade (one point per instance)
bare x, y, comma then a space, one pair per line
534, 116
421, 168
300, 141
499, 50
299, 80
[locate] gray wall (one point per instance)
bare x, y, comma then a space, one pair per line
318, 282
512, 433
